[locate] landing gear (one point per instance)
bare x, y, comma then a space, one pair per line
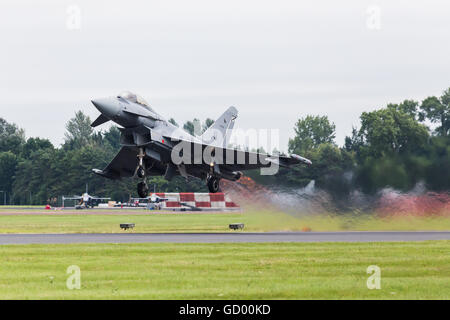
213, 184
142, 189
140, 172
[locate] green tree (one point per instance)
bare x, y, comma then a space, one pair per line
310, 132
388, 171
208, 123
36, 176
34, 144
197, 127
354, 142
172, 121
193, 127
409, 107
8, 163
189, 127
78, 130
437, 164
112, 138
391, 130
11, 137
437, 110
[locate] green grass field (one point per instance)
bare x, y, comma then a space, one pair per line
409, 270
254, 220
414, 270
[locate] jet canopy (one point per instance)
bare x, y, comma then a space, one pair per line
130, 96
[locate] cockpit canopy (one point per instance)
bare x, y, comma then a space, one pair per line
134, 98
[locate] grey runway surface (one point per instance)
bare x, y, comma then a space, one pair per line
356, 236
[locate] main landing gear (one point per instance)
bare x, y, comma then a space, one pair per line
142, 187
213, 184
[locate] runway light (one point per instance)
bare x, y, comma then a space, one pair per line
126, 226
235, 226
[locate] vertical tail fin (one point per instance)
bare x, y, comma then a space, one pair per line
219, 132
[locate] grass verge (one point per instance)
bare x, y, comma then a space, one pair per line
254, 220
415, 270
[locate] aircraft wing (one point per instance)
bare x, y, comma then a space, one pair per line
267, 161
123, 165
222, 160
236, 160
72, 198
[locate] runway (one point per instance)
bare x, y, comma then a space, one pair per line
355, 236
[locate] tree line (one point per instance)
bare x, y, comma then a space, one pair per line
393, 146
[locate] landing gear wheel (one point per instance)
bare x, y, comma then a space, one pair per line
140, 172
142, 189
213, 184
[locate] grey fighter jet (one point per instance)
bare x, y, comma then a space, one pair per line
85, 200
151, 145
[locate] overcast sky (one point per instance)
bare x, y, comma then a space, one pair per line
276, 61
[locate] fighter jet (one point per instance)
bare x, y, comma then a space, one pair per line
85, 200
151, 145
153, 198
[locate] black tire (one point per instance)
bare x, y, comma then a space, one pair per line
213, 184
140, 172
142, 190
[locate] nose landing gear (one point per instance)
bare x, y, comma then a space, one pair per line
140, 172
213, 184
142, 187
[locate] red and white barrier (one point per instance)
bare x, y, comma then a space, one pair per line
211, 201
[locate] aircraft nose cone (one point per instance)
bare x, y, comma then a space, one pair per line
106, 106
